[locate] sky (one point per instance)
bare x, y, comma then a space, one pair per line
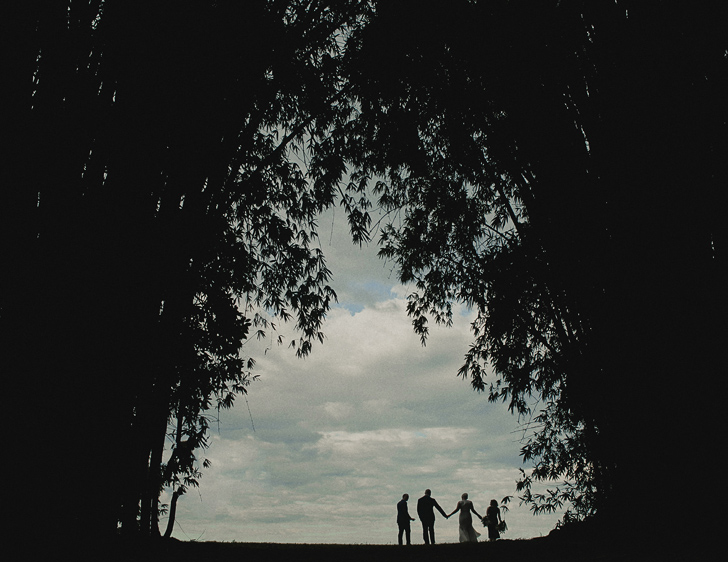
322, 448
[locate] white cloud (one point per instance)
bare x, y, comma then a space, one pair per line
341, 435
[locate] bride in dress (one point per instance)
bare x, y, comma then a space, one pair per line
467, 532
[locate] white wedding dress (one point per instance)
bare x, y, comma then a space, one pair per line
467, 532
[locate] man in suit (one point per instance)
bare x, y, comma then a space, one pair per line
425, 511
403, 519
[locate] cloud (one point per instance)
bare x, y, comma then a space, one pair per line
336, 438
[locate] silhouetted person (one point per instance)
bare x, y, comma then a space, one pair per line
425, 511
467, 532
403, 519
494, 517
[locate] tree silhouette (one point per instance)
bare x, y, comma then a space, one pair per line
156, 212
557, 167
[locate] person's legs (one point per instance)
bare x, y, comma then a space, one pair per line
407, 532
432, 534
425, 533
399, 535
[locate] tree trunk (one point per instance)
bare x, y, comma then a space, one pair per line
172, 513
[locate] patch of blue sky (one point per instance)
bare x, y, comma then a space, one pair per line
466, 311
351, 307
358, 296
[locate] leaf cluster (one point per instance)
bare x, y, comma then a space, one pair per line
496, 135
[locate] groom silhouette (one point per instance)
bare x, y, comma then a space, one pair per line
425, 511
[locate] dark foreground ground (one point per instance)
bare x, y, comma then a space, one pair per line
546, 549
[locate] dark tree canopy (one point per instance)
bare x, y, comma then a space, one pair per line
558, 166
169, 162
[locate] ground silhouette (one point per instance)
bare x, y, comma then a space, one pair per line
554, 548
